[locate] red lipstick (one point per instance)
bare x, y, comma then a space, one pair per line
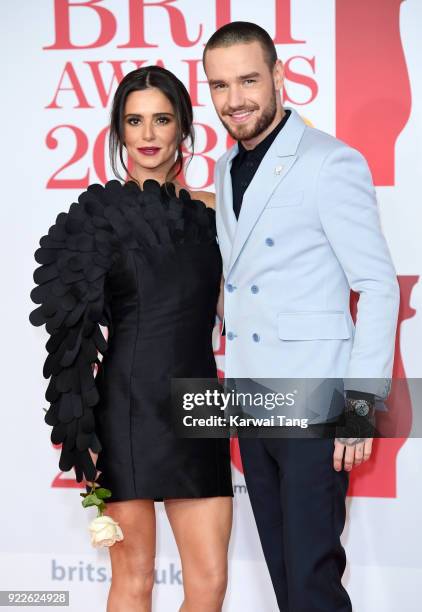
148, 150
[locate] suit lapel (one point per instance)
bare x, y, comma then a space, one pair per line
277, 162
227, 213
225, 218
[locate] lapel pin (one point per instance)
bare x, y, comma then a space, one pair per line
278, 169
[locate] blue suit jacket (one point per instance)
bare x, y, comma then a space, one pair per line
308, 232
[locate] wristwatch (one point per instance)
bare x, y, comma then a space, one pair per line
359, 421
361, 407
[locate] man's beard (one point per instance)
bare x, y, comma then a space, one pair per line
244, 132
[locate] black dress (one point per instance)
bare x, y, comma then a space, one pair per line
146, 264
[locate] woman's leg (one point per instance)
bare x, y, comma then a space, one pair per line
132, 559
202, 528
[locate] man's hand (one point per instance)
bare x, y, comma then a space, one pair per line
354, 438
358, 450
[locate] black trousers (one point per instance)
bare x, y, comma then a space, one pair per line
298, 501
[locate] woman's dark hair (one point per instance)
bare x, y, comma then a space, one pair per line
175, 92
245, 32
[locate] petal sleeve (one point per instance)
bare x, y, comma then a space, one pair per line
75, 256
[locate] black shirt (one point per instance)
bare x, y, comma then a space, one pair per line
246, 163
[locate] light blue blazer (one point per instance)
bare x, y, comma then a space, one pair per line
308, 232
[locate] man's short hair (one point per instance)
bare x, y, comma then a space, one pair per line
243, 32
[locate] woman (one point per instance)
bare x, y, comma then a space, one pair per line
140, 258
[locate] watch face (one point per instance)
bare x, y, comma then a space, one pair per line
361, 408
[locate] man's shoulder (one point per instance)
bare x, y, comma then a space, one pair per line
319, 140
323, 144
326, 151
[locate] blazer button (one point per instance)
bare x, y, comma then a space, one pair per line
255, 337
230, 287
231, 335
269, 241
254, 289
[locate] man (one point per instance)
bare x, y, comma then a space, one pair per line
298, 227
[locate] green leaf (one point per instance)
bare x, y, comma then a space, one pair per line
103, 493
90, 500
96, 500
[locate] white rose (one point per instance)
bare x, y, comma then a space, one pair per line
104, 531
